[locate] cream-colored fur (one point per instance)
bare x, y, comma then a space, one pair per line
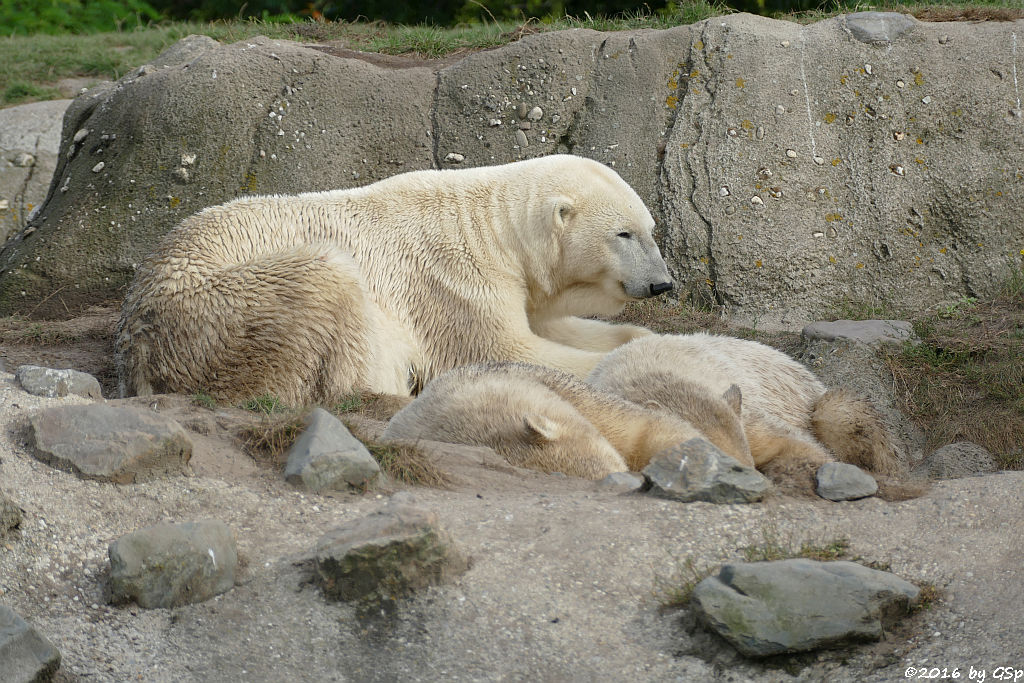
500, 404
791, 420
384, 287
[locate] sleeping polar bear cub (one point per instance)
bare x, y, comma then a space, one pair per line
381, 288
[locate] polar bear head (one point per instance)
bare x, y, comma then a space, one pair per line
601, 245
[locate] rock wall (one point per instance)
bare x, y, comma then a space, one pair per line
868, 156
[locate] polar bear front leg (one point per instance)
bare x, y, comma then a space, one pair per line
586, 334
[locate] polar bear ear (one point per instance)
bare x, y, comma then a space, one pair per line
734, 397
562, 211
540, 428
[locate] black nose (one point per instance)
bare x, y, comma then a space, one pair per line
660, 287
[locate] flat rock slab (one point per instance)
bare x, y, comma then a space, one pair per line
169, 565
697, 470
26, 656
107, 443
842, 481
327, 457
771, 608
389, 554
10, 514
51, 383
863, 331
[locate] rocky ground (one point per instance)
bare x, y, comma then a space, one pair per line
566, 583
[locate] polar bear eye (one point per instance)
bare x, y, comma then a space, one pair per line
626, 235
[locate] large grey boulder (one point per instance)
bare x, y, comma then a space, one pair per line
108, 443
770, 608
169, 565
327, 457
697, 470
26, 656
53, 383
393, 552
791, 166
29, 142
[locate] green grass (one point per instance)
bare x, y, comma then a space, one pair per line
267, 404
965, 380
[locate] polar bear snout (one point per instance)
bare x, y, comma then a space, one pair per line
660, 288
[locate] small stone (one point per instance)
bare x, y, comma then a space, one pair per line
897, 169
98, 167
732, 132
326, 457
867, 69
785, 43
555, 118
391, 553
521, 139
697, 470
756, 201
10, 514
169, 565
759, 133
522, 109
525, 125
791, 153
819, 161
80, 135
900, 84
898, 135
730, 210
764, 172
24, 160
943, 39
494, 123
723, 191
108, 443
25, 654
50, 383
839, 481
927, 99
956, 460
454, 158
780, 110
535, 114
622, 481
775, 192
771, 608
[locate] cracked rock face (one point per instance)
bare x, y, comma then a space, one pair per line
29, 141
790, 167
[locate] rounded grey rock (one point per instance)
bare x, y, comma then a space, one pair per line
842, 481
956, 460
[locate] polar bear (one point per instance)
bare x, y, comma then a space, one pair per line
549, 420
381, 288
792, 422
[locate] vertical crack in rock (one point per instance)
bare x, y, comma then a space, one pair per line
705, 40
435, 133
21, 194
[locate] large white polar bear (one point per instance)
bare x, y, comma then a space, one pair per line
383, 287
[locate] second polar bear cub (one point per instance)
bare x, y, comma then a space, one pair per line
551, 421
791, 420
